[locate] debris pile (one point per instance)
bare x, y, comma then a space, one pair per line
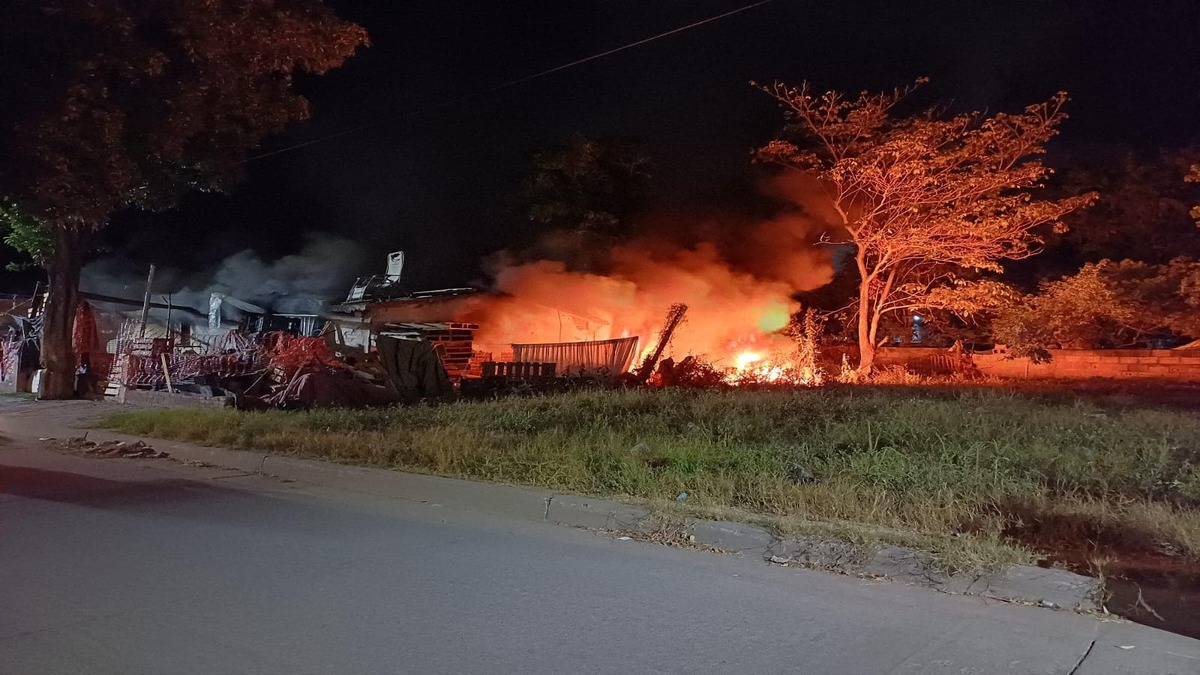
280, 370
291, 356
307, 373
81, 445
690, 372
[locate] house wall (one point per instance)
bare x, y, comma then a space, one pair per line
1160, 364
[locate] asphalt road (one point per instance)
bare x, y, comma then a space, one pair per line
151, 566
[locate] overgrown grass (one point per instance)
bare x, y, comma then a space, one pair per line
967, 473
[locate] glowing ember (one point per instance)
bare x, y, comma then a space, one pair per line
746, 358
782, 365
754, 368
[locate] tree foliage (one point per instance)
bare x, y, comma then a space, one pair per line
1106, 304
1143, 209
137, 102
25, 234
923, 196
587, 185
1194, 177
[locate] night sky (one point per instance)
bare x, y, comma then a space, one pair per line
441, 184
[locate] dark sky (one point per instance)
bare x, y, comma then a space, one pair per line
440, 185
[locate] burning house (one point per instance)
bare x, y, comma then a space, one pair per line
455, 322
539, 320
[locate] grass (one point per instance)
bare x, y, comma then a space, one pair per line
975, 475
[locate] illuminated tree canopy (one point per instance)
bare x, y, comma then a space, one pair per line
920, 196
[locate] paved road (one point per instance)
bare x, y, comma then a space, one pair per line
132, 566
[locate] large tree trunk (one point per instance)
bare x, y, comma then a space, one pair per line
866, 352
58, 355
866, 338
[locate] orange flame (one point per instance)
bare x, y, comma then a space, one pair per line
737, 279
744, 360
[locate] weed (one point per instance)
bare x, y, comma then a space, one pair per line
968, 472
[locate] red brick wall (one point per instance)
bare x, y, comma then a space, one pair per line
1161, 364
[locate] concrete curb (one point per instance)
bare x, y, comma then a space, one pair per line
733, 536
1052, 588
596, 514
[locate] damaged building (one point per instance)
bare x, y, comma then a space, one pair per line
449, 319
382, 344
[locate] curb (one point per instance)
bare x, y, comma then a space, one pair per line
1051, 588
597, 514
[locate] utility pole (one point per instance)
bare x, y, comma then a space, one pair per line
170, 335
146, 301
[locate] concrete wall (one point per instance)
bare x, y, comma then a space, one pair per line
161, 399
1160, 364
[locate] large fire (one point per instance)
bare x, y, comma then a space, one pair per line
737, 281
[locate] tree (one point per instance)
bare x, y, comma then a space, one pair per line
922, 196
1143, 209
137, 102
1111, 304
26, 235
1194, 177
590, 186
962, 309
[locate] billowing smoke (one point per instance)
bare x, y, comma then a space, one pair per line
322, 270
736, 275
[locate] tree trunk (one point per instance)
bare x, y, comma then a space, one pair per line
58, 321
866, 355
866, 339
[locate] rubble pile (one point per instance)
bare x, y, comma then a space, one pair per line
290, 356
104, 449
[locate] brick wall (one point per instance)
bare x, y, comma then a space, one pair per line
142, 398
1160, 364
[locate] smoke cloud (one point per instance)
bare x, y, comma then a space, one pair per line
322, 270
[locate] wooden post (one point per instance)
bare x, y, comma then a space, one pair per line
35, 301
166, 372
146, 301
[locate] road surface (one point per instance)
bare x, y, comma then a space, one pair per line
152, 566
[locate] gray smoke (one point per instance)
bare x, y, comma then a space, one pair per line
321, 271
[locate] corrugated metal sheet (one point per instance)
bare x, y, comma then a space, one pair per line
613, 356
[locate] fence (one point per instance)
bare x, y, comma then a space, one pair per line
1155, 364
138, 362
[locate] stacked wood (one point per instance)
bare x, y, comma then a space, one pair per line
453, 342
475, 365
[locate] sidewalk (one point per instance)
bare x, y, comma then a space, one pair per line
1153, 650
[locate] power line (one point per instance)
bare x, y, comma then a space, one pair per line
505, 85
